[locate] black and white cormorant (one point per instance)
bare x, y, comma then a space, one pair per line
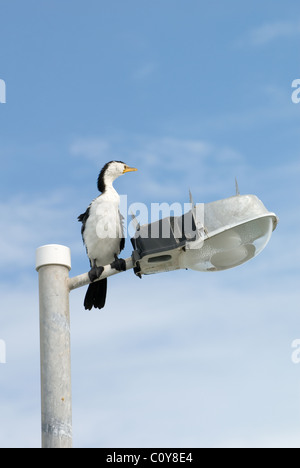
102, 232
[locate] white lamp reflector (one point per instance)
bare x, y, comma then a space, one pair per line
230, 248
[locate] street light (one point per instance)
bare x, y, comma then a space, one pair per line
210, 237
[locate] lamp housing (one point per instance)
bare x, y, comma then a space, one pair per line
214, 236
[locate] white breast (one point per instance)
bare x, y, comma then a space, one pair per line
103, 229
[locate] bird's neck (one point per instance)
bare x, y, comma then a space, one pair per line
108, 182
110, 192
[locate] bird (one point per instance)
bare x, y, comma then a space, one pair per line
103, 232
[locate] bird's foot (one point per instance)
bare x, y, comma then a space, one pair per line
95, 273
119, 264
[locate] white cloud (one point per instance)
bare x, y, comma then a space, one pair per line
29, 222
144, 71
189, 358
19, 377
172, 165
92, 148
269, 32
275, 441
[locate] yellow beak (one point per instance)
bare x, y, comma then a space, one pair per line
129, 169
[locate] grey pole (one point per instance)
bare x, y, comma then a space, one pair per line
53, 263
83, 280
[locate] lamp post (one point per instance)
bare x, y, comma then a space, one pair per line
211, 237
53, 263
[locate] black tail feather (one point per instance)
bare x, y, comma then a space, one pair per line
96, 295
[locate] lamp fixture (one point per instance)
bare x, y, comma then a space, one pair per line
214, 236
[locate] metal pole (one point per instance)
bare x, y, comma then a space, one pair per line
53, 263
83, 280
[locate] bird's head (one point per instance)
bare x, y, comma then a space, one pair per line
110, 172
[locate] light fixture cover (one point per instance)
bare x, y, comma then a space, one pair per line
210, 237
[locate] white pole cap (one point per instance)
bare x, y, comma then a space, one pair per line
53, 254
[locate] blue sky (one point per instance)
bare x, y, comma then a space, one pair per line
194, 94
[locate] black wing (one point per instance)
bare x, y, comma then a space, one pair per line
83, 219
122, 239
